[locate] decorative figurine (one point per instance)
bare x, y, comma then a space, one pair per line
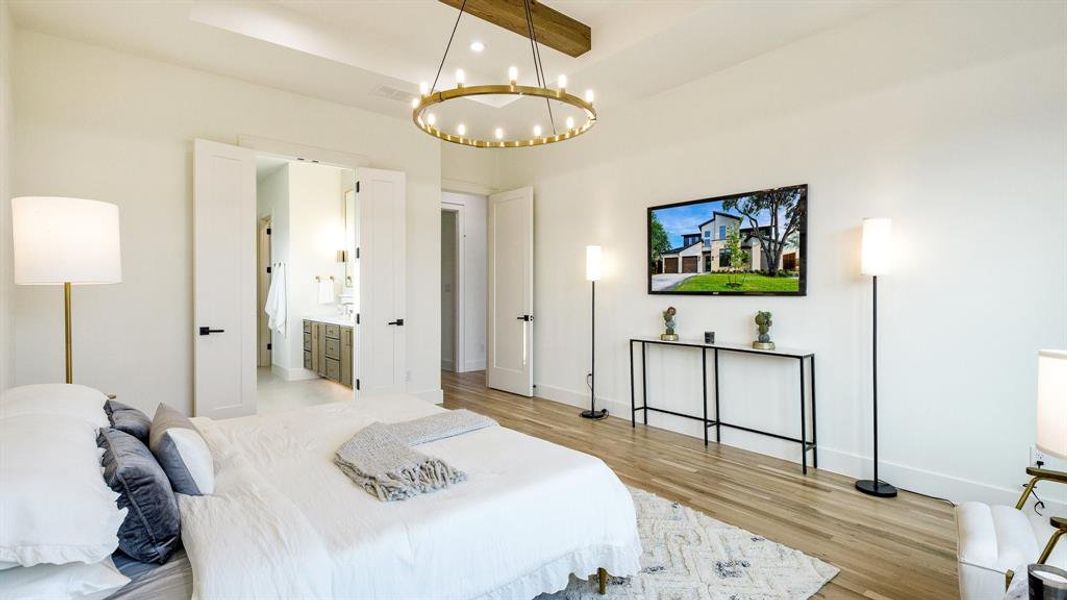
763, 322
668, 323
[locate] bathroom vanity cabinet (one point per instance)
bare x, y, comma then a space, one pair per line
328, 349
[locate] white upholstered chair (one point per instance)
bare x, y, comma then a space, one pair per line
994, 540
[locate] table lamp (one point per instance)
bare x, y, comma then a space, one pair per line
593, 270
875, 261
68, 241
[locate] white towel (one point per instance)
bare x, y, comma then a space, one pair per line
275, 305
325, 291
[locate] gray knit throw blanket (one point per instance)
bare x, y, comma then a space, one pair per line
379, 457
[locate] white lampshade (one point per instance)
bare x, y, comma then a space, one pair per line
594, 267
1052, 402
876, 251
59, 240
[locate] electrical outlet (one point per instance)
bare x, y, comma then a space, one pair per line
1037, 456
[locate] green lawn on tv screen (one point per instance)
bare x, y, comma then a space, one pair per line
751, 282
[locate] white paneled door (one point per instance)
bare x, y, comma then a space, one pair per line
509, 307
224, 297
382, 330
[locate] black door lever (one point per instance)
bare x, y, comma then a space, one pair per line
525, 318
209, 331
398, 322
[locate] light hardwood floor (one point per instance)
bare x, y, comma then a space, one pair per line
895, 548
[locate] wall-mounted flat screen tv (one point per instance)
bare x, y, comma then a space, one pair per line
750, 244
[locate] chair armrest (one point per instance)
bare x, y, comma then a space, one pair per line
1036, 475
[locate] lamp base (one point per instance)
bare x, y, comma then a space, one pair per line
595, 414
878, 489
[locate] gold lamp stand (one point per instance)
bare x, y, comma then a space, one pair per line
66, 322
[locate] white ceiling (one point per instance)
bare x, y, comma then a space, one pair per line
373, 53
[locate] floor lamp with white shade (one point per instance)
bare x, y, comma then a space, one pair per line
65, 241
875, 260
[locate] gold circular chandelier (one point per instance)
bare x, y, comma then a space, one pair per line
426, 120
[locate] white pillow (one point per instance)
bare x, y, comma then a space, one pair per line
55, 506
71, 400
74, 581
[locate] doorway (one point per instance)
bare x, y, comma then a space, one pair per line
463, 281
451, 317
315, 267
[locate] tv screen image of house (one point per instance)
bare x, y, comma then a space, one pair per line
743, 244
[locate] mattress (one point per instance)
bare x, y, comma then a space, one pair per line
284, 521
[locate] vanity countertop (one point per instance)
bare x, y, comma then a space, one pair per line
332, 319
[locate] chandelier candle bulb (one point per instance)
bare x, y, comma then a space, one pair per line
461, 129
537, 131
477, 46
424, 88
561, 82
589, 96
414, 103
570, 122
499, 133
513, 75
461, 78
431, 119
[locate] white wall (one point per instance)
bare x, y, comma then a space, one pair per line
272, 200
7, 113
473, 211
101, 124
951, 118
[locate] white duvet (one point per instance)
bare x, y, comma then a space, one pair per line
284, 522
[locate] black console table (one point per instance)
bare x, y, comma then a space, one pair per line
799, 355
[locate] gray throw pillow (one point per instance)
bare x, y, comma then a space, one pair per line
182, 452
151, 530
128, 419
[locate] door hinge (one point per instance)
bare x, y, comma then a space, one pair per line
269, 346
357, 318
357, 384
357, 187
268, 231
357, 252
268, 269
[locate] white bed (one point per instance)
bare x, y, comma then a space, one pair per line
285, 522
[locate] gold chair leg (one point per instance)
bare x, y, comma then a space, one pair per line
602, 580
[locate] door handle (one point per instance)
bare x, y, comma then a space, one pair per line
398, 322
525, 318
209, 331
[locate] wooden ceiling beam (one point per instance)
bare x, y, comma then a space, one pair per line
551, 27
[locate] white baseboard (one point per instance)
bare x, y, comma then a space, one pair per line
939, 485
432, 396
298, 374
473, 365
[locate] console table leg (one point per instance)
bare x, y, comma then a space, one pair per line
814, 424
704, 385
644, 382
803, 423
633, 403
718, 416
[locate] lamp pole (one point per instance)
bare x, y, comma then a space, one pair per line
592, 273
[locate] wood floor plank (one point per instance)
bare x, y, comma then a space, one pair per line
901, 548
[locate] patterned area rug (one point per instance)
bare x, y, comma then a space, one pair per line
690, 556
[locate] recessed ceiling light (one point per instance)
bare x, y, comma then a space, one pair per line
477, 46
